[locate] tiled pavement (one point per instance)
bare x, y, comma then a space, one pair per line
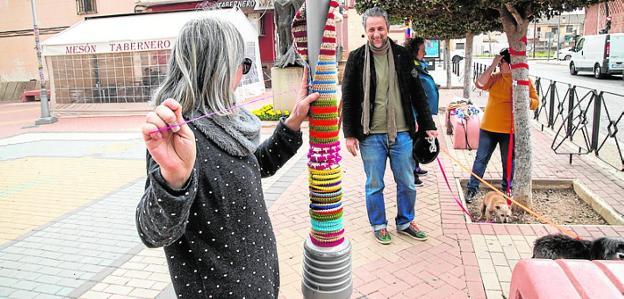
67, 227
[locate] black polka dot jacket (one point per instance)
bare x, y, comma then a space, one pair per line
216, 231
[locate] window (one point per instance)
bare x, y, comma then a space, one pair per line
569, 28
459, 46
85, 7
579, 45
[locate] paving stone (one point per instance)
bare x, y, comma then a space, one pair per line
144, 293
490, 281
119, 290
47, 288
499, 259
21, 294
25, 285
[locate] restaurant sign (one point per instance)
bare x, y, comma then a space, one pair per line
109, 47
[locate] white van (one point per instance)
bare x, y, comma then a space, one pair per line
600, 54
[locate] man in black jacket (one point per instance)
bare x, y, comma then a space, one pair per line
380, 89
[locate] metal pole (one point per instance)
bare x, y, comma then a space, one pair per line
549, 46
571, 112
43, 95
534, 37
316, 15
551, 104
558, 36
598, 98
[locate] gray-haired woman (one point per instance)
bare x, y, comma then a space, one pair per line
203, 197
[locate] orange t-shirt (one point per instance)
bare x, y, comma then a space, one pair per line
498, 110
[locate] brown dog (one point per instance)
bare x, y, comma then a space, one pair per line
494, 207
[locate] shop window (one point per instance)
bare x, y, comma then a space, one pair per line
86, 7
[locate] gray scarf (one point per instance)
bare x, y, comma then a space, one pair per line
391, 92
237, 134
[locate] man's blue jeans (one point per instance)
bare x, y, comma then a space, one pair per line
375, 150
487, 144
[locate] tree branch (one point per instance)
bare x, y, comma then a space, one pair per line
528, 8
506, 19
515, 14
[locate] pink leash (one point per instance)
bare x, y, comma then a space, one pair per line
449, 187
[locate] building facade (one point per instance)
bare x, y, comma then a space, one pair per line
543, 34
17, 40
596, 17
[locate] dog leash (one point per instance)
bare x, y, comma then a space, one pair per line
534, 214
461, 206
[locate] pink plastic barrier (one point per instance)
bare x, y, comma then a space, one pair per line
542, 279
465, 132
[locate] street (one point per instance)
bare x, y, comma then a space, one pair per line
558, 71
611, 110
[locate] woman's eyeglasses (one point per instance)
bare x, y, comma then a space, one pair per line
247, 65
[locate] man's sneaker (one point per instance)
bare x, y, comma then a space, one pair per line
420, 171
383, 236
413, 231
417, 181
470, 195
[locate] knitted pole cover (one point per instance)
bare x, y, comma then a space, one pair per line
325, 174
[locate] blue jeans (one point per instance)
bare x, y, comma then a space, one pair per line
375, 150
487, 144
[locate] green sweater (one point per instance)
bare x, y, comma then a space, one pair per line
379, 122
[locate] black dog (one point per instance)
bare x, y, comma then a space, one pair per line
564, 247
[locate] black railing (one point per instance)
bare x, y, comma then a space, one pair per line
455, 67
584, 120
478, 69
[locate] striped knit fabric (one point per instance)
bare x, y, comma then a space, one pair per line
325, 173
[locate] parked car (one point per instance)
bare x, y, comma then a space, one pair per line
601, 54
563, 54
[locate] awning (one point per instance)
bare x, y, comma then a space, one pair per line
149, 32
137, 32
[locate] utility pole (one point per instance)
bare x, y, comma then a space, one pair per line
558, 35
43, 95
534, 36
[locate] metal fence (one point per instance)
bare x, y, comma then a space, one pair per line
585, 120
478, 69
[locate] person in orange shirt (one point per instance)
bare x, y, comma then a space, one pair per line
497, 120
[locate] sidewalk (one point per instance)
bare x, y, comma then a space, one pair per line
68, 192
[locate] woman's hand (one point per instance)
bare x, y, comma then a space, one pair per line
173, 149
497, 59
300, 112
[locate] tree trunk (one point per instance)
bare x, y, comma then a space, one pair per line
468, 65
447, 62
522, 183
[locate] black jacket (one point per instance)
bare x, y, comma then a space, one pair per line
411, 92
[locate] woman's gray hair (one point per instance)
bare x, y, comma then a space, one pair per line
203, 64
375, 12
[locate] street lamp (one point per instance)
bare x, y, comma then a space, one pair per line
43, 94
